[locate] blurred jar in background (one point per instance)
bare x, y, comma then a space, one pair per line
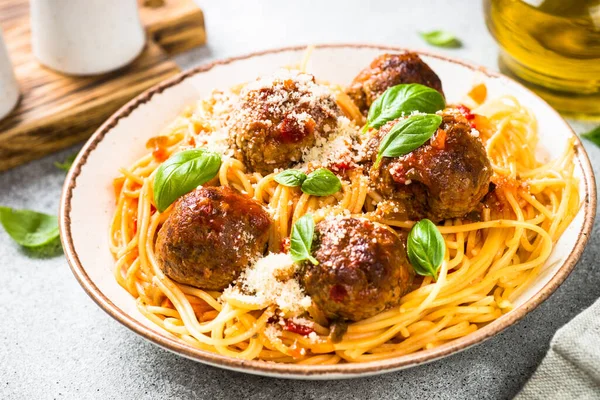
553, 45
9, 88
86, 37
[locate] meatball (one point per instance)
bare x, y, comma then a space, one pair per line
212, 234
363, 268
444, 178
390, 70
277, 118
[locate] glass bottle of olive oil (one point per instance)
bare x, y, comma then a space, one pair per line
554, 45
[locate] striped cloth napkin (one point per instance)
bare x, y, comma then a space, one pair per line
571, 369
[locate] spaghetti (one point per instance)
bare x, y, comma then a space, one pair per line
488, 263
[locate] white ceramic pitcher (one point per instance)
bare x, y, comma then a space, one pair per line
86, 37
9, 89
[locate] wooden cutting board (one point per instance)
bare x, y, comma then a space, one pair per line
55, 110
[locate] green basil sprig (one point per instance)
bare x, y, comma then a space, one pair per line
182, 173
66, 165
301, 239
441, 39
426, 248
593, 135
407, 135
29, 228
290, 177
403, 99
320, 182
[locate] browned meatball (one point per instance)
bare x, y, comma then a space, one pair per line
212, 234
390, 70
363, 268
444, 178
277, 118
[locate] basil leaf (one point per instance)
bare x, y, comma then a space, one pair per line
403, 99
321, 182
441, 39
407, 135
426, 248
301, 239
29, 228
290, 177
66, 165
593, 136
182, 173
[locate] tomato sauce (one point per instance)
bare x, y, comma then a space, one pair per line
118, 186
159, 146
338, 293
303, 330
466, 111
439, 140
285, 245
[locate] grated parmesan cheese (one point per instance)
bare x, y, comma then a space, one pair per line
313, 337
271, 281
272, 333
342, 146
219, 106
273, 96
302, 321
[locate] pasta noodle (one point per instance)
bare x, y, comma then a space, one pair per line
488, 264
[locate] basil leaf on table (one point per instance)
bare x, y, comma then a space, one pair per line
321, 182
441, 38
401, 100
182, 173
29, 228
593, 136
426, 248
66, 165
301, 239
407, 135
290, 177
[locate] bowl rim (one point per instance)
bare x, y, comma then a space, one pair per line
311, 371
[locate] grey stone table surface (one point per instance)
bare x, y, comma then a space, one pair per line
56, 343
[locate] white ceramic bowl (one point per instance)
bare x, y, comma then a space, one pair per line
88, 202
